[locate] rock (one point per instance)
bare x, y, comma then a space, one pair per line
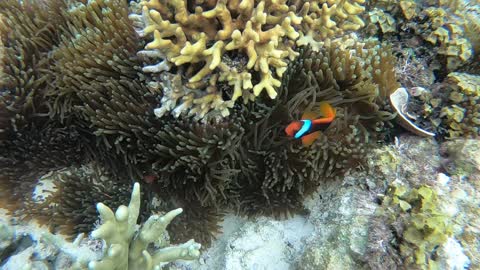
266, 244
462, 158
7, 234
413, 159
341, 220
23, 260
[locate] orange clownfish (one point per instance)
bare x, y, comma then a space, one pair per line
308, 129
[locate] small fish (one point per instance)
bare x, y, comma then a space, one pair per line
308, 129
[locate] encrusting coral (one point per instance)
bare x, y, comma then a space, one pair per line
245, 44
422, 225
452, 108
447, 27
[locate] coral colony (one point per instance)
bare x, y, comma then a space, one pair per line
192, 98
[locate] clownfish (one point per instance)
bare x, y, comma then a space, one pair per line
308, 129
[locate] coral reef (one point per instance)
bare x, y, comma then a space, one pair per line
97, 106
243, 44
281, 173
461, 157
68, 205
126, 244
451, 108
339, 239
438, 33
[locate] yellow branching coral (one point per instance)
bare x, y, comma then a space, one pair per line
245, 44
326, 18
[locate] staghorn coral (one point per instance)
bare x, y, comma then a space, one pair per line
211, 44
127, 245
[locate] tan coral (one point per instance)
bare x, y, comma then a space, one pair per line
463, 117
208, 40
408, 8
450, 39
380, 19
326, 18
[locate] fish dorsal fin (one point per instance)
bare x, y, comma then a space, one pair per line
326, 110
309, 115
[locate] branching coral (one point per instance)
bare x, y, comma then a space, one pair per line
245, 44
127, 246
68, 206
